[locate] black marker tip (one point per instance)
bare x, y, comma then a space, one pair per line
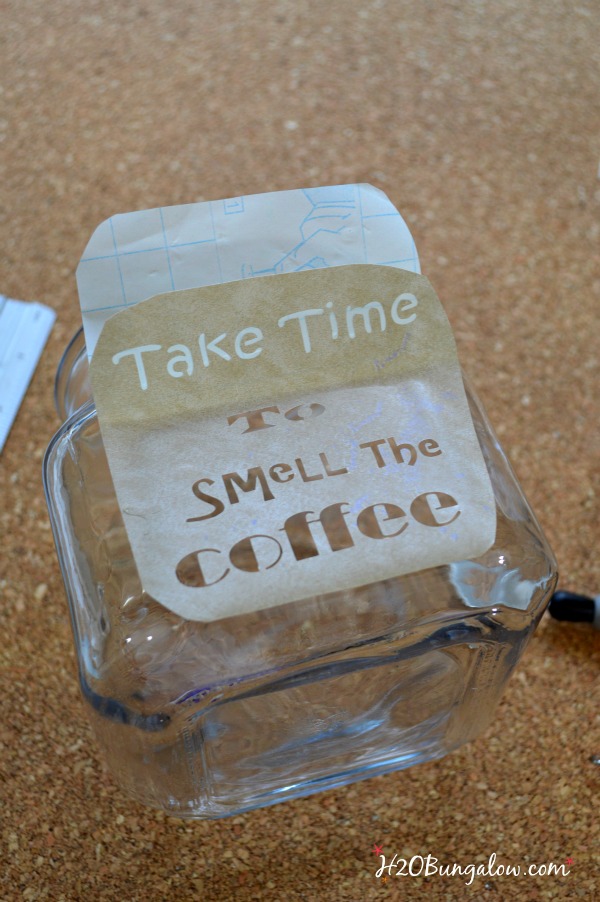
575, 608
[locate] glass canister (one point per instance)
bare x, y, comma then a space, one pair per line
207, 719
304, 697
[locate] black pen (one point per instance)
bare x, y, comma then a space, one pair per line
575, 608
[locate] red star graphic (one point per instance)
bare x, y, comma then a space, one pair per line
377, 850
384, 879
569, 860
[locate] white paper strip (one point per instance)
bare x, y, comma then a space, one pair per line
24, 330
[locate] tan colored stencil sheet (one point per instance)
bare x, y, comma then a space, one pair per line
291, 435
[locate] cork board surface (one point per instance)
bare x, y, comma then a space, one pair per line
480, 121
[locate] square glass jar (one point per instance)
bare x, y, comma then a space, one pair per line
205, 720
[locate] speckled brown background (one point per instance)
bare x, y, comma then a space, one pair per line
480, 120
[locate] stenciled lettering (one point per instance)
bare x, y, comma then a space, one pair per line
405, 301
434, 510
213, 346
246, 344
255, 475
217, 504
259, 552
182, 355
246, 337
137, 353
402, 452
255, 419
365, 312
301, 316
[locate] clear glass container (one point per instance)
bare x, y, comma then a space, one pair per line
209, 719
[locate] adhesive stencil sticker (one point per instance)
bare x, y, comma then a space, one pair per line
289, 435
